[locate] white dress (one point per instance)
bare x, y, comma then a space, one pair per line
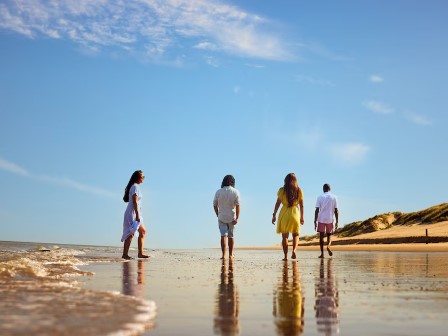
130, 225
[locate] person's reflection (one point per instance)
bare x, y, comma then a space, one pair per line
133, 284
226, 320
288, 302
327, 300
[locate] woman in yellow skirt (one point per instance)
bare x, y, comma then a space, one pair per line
290, 196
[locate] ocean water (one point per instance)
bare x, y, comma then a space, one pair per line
86, 290
41, 293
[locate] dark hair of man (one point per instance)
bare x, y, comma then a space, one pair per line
134, 178
326, 187
291, 188
228, 181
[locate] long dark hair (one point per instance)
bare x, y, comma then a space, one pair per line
228, 181
134, 178
291, 188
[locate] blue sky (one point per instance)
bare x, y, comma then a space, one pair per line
352, 93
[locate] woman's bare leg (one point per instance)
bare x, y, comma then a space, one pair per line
295, 242
285, 245
127, 244
141, 237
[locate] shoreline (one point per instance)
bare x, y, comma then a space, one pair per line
404, 247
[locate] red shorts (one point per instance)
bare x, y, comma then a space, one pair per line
325, 227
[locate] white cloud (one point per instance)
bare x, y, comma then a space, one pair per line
312, 80
206, 46
418, 119
378, 107
236, 89
153, 27
62, 181
349, 153
13, 168
212, 61
376, 79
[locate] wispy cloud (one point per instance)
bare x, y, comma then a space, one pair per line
11, 167
376, 79
313, 80
155, 28
381, 108
378, 107
349, 153
418, 119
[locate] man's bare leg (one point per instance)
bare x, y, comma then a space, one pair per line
223, 246
231, 243
285, 245
321, 244
330, 252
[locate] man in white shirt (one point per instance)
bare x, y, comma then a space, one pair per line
326, 208
227, 208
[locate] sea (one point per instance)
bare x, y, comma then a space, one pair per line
56, 289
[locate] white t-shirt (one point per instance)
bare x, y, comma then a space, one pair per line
326, 203
226, 199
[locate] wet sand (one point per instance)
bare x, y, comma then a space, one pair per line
369, 293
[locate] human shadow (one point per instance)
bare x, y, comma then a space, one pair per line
288, 302
327, 300
133, 282
226, 321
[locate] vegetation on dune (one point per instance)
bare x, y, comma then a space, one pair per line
434, 214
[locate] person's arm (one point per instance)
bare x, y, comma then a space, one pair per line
302, 219
316, 213
336, 214
136, 207
277, 205
216, 209
237, 208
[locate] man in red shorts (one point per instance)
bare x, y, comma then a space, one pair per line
326, 211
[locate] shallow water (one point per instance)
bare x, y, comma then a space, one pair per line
368, 293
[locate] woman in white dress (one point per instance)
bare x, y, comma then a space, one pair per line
133, 219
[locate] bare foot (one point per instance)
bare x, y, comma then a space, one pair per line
126, 257
293, 255
144, 256
321, 256
329, 251
285, 259
222, 258
231, 256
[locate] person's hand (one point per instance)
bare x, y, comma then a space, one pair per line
302, 221
273, 219
235, 221
336, 226
137, 218
315, 225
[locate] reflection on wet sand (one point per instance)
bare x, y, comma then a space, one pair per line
327, 300
133, 283
289, 302
226, 320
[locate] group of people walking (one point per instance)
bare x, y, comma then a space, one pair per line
226, 205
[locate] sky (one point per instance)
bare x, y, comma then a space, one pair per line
351, 93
